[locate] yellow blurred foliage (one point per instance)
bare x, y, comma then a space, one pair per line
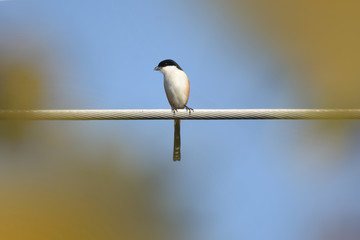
78, 200
21, 87
321, 35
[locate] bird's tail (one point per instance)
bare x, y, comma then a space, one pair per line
177, 141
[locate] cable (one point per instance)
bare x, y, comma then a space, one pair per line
197, 114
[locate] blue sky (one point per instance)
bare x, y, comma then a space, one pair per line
237, 179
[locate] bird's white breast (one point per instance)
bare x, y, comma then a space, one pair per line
176, 86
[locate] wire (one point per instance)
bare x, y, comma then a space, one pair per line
197, 114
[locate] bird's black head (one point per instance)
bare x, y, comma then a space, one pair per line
167, 62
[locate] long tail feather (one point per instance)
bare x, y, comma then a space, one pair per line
177, 141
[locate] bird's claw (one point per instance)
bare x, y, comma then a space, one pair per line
174, 110
189, 109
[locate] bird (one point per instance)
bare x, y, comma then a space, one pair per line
177, 89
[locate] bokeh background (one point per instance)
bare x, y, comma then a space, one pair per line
251, 179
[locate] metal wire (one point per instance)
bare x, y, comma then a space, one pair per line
197, 114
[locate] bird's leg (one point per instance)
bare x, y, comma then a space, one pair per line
189, 109
173, 110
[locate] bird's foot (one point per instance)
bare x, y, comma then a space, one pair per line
189, 109
174, 110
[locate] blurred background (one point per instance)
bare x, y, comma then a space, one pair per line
251, 179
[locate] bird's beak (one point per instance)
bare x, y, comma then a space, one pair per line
156, 69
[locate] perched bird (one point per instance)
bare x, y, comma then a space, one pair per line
177, 89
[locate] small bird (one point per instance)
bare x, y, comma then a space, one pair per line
177, 89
